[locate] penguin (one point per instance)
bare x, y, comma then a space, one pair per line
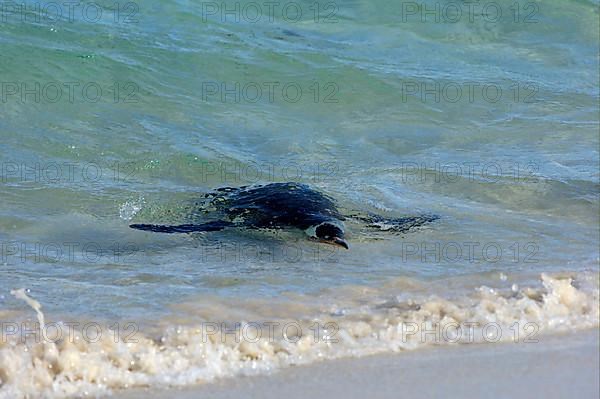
282, 206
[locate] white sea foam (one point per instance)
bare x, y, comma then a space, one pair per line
194, 353
130, 208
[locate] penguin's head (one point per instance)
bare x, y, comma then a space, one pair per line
328, 233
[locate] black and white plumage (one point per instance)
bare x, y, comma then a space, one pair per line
280, 206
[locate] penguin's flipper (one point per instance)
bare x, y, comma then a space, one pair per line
395, 225
183, 228
404, 224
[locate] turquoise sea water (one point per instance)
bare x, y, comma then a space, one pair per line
110, 112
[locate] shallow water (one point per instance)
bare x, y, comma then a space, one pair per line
490, 122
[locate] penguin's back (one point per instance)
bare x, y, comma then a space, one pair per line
275, 205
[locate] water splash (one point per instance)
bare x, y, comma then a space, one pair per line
35, 305
130, 208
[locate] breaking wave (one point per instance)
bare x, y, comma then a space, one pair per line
361, 321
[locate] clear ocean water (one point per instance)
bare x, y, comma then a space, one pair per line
486, 114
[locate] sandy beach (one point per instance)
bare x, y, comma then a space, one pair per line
555, 367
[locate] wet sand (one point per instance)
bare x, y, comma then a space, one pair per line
556, 367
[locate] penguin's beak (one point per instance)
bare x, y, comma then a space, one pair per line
332, 241
340, 242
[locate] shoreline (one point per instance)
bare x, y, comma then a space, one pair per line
555, 367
